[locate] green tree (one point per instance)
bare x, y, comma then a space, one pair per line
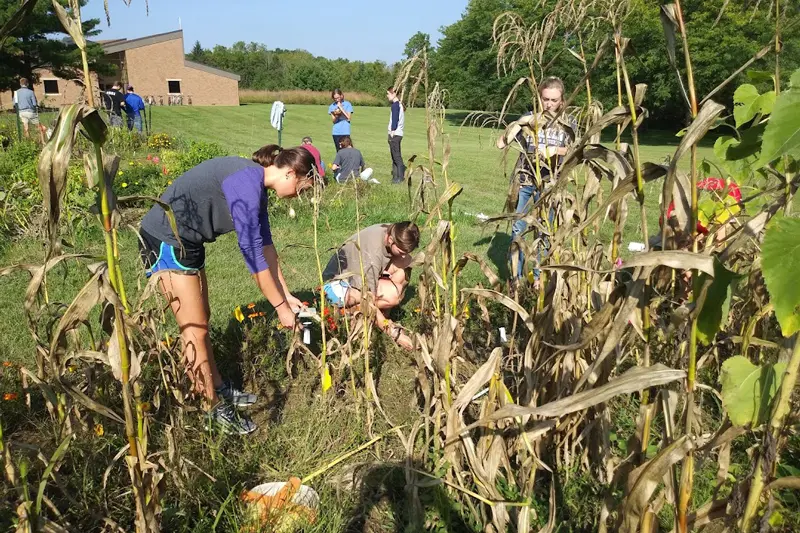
39, 43
197, 54
417, 42
465, 61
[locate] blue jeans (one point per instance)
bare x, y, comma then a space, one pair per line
528, 195
135, 121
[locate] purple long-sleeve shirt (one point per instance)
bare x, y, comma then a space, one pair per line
216, 197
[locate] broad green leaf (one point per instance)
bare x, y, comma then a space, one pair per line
747, 389
780, 261
717, 303
766, 102
750, 144
745, 104
782, 136
761, 76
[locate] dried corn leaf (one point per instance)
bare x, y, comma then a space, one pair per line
705, 119
633, 380
478, 380
677, 259
504, 300
643, 481
54, 163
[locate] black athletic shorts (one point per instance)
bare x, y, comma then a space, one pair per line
158, 255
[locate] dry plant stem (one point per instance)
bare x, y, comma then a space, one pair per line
780, 408
617, 238
645, 394
134, 420
323, 359
687, 473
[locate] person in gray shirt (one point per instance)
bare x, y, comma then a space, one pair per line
28, 109
349, 163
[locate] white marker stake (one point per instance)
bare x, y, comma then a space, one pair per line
503, 335
306, 333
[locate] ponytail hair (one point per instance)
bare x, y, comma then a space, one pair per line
346, 142
552, 82
298, 159
405, 235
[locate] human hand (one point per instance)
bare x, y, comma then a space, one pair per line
287, 316
404, 341
294, 303
399, 336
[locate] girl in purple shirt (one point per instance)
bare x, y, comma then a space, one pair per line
216, 197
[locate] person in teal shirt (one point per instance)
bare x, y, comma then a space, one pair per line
340, 111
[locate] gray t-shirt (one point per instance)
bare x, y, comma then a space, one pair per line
26, 100
375, 256
351, 162
199, 203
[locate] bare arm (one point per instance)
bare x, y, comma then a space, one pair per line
271, 255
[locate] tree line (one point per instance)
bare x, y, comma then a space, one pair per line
722, 34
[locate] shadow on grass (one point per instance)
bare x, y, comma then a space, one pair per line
498, 252
382, 489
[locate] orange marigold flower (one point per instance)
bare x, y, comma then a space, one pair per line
10, 396
251, 305
7, 364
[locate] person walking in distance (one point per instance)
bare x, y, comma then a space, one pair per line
134, 108
341, 111
114, 101
28, 109
397, 121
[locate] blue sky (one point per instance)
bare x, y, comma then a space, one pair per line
364, 30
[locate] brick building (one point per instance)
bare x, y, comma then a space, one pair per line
156, 66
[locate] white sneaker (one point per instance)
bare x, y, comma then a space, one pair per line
366, 174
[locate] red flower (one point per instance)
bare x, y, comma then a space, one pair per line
149, 157
165, 171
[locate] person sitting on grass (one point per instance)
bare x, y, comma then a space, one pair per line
349, 163
386, 259
216, 197
307, 143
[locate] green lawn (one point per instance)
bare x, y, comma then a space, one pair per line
475, 163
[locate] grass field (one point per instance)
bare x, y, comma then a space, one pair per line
475, 163
299, 432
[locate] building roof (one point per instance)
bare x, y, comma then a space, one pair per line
126, 44
120, 45
211, 70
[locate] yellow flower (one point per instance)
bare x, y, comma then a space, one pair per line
466, 310
124, 185
120, 173
237, 314
99, 430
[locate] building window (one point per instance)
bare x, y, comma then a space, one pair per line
174, 86
50, 86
